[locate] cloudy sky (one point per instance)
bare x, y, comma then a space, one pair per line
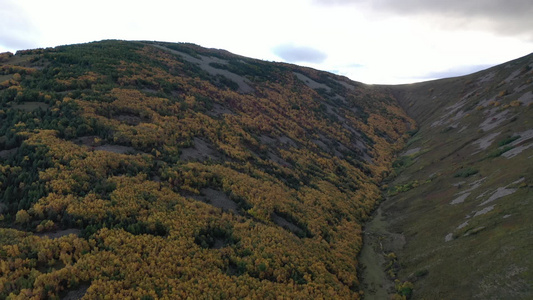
379, 41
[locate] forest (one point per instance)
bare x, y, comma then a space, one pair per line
150, 170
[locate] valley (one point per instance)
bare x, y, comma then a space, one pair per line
156, 170
461, 194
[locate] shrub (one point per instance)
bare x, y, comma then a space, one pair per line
421, 273
499, 151
515, 103
22, 217
466, 172
405, 289
508, 140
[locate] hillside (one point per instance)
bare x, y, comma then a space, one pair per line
157, 170
457, 217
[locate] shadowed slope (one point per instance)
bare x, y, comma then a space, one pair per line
462, 196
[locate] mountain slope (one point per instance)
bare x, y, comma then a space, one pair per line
462, 196
148, 170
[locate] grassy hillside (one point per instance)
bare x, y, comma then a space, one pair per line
156, 170
461, 202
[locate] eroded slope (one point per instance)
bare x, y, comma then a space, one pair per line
463, 194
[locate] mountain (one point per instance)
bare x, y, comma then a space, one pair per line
160, 170
456, 221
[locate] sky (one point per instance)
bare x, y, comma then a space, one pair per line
371, 41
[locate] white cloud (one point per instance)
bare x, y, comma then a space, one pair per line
507, 17
455, 71
16, 29
295, 54
370, 41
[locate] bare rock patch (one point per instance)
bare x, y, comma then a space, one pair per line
311, 83
217, 199
484, 142
201, 151
59, 233
280, 221
526, 98
493, 121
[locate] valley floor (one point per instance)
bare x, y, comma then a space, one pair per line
375, 283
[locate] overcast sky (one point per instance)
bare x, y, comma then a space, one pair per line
380, 41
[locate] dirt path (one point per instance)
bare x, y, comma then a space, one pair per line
375, 282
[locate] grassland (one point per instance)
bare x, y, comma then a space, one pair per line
467, 221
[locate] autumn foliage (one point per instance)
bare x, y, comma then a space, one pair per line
179, 183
